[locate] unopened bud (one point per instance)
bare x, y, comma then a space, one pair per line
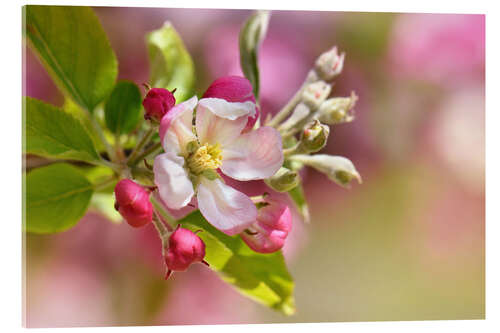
283, 180
314, 137
269, 232
337, 168
329, 64
234, 89
132, 202
300, 112
337, 110
157, 103
316, 93
184, 249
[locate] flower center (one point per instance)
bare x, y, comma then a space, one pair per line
205, 157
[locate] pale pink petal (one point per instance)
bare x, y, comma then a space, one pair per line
219, 121
254, 155
176, 127
225, 208
179, 213
174, 186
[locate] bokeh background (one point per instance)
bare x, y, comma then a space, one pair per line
407, 244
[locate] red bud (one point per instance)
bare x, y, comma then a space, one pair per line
234, 89
132, 202
184, 249
157, 103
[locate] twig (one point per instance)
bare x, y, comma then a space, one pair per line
144, 140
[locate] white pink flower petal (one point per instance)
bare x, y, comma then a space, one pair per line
254, 155
219, 121
176, 127
174, 186
228, 210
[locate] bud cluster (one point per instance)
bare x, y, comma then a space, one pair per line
304, 125
183, 247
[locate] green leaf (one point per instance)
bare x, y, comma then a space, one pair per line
123, 108
98, 175
170, 62
57, 196
53, 133
104, 203
84, 117
262, 277
72, 46
252, 34
298, 197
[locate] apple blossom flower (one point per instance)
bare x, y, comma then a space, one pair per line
268, 233
234, 89
157, 103
184, 249
194, 155
132, 202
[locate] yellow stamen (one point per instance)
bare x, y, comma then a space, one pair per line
205, 157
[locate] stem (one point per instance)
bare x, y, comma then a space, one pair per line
165, 223
118, 148
285, 111
300, 158
169, 221
104, 184
160, 227
145, 154
280, 116
292, 150
144, 140
300, 125
162, 232
100, 133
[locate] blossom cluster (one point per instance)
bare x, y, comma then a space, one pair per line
206, 141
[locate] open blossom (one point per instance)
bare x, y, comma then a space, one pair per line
195, 154
268, 233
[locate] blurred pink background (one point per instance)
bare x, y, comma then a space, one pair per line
407, 244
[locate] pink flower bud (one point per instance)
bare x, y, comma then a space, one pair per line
269, 232
184, 248
234, 89
157, 103
132, 202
